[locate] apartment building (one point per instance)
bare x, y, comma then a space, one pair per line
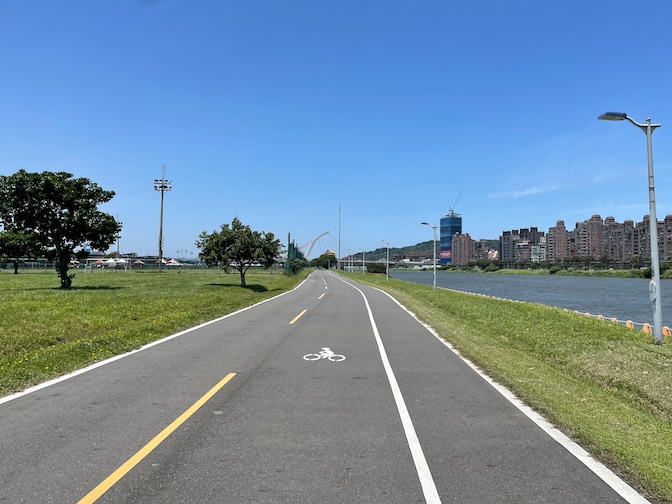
464, 249
588, 238
538, 252
605, 240
507, 245
558, 242
618, 240
516, 245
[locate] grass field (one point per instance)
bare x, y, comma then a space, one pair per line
605, 385
46, 331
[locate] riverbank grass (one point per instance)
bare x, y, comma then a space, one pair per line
605, 385
46, 331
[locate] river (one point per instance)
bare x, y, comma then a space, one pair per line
623, 298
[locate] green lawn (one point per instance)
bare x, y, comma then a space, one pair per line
605, 385
46, 331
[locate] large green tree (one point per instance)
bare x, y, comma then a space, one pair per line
239, 247
60, 211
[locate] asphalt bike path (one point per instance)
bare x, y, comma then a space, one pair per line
233, 412
480, 447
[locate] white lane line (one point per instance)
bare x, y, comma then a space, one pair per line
424, 474
619, 486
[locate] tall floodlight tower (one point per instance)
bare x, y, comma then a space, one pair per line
162, 185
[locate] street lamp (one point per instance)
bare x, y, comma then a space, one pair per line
363, 261
387, 261
433, 226
654, 285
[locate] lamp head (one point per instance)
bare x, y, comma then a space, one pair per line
425, 223
613, 116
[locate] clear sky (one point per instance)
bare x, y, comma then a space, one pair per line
279, 111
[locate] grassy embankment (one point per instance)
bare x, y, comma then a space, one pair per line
607, 386
46, 331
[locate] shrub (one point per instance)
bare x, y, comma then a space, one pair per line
375, 268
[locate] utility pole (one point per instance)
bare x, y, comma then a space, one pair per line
338, 258
161, 185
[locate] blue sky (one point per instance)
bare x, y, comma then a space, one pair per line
278, 112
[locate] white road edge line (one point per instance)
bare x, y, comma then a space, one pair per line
424, 474
86, 369
603, 472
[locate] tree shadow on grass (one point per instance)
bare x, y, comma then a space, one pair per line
254, 288
95, 287
79, 287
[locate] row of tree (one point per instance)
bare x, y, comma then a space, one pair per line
56, 215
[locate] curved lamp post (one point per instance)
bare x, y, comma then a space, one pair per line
433, 226
654, 285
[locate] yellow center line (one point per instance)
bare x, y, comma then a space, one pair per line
321, 296
113, 478
297, 317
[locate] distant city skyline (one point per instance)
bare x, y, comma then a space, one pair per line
598, 238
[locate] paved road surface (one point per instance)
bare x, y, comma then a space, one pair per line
231, 412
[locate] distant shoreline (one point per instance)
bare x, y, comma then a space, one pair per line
632, 273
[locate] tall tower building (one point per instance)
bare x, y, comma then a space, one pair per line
558, 242
464, 249
589, 237
451, 224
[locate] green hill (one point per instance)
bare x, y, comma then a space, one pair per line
422, 248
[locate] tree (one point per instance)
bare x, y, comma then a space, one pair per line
60, 211
238, 247
375, 267
636, 261
324, 261
297, 264
17, 245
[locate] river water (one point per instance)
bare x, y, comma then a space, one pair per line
623, 298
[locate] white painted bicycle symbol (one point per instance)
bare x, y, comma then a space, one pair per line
326, 353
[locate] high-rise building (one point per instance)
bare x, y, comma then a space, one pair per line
464, 249
451, 224
516, 245
558, 242
643, 240
538, 252
507, 245
667, 239
589, 237
617, 240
